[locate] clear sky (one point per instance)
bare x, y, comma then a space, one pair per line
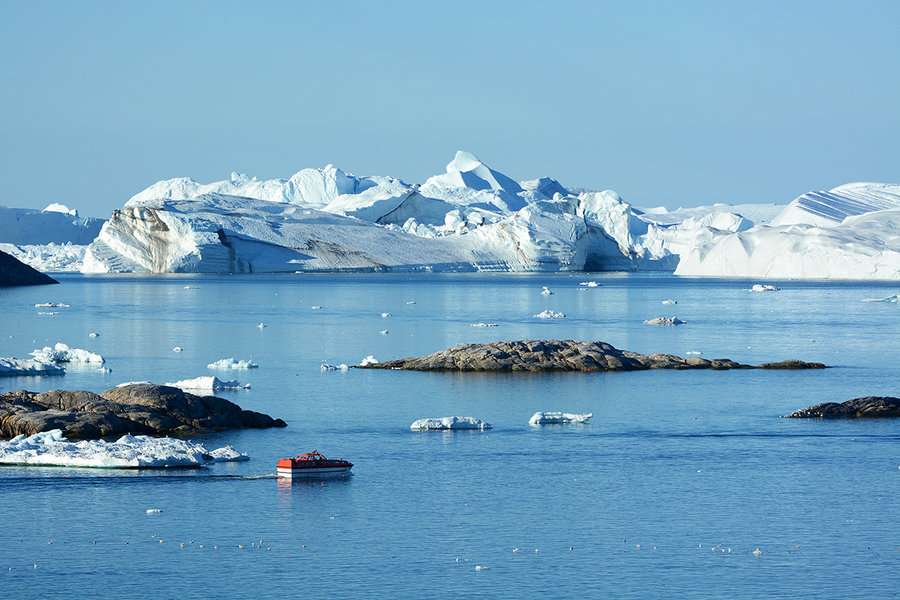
668, 103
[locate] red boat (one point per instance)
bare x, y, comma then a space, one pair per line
312, 464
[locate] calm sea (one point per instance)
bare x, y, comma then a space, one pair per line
678, 478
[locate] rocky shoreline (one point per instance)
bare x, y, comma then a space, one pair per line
136, 409
564, 355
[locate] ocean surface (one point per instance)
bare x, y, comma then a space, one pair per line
678, 478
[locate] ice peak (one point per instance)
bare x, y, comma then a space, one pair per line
61, 208
466, 170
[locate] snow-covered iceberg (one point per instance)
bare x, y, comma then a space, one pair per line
545, 418
62, 353
11, 367
233, 364
208, 383
49, 448
666, 321
53, 239
449, 423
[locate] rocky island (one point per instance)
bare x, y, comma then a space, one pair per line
563, 355
136, 409
870, 407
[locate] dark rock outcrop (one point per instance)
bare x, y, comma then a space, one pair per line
563, 355
136, 409
870, 407
14, 272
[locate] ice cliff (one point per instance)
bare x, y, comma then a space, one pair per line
53, 239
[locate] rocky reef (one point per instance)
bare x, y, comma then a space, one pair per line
563, 355
14, 272
136, 409
870, 407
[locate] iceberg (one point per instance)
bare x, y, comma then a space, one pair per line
63, 353
232, 363
549, 314
53, 239
664, 321
369, 360
544, 418
11, 367
894, 298
341, 367
49, 448
761, 287
208, 384
443, 423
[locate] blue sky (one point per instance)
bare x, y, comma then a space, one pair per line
668, 103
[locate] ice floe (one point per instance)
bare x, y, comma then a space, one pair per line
63, 353
51, 305
49, 448
449, 423
546, 291
483, 325
670, 301
761, 287
549, 314
341, 367
385, 315
590, 284
664, 321
208, 383
888, 299
231, 363
369, 360
28, 366
545, 418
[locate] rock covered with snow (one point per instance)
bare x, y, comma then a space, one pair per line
548, 418
444, 423
130, 408
563, 355
50, 448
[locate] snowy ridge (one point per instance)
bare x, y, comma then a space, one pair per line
829, 208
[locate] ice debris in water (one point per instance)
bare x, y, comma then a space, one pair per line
340, 367
546, 291
176, 349
759, 287
589, 284
670, 301
208, 383
385, 315
664, 321
384, 332
693, 352
63, 353
369, 360
231, 363
549, 314
49, 448
888, 299
544, 418
28, 366
483, 325
449, 423
151, 511
261, 325
51, 305
93, 334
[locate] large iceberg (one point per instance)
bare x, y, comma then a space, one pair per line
49, 448
62, 353
53, 239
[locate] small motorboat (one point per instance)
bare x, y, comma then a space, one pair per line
312, 464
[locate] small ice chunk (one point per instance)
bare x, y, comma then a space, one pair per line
51, 305
591, 284
664, 321
369, 360
208, 383
152, 511
670, 301
482, 568
411, 302
63, 353
104, 370
261, 325
546, 291
384, 332
759, 287
483, 325
544, 418
176, 349
231, 363
191, 287
894, 298
385, 315
340, 367
93, 334
549, 314
442, 423
315, 307
693, 353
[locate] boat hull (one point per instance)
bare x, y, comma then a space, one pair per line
290, 473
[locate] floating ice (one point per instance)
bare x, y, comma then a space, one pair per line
93, 334
340, 367
28, 366
151, 511
549, 314
888, 299
589, 284
759, 287
63, 353
315, 307
384, 332
369, 360
48, 313
231, 363
385, 315
664, 321
411, 302
51, 305
176, 349
670, 301
546, 291
483, 325
49, 448
208, 383
449, 423
544, 418
191, 287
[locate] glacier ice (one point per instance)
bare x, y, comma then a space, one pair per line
28, 366
63, 353
208, 383
443, 423
763, 287
232, 363
369, 360
49, 448
542, 418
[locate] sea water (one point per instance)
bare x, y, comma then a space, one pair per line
679, 477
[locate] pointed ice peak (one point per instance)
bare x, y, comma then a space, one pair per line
466, 170
61, 208
241, 178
